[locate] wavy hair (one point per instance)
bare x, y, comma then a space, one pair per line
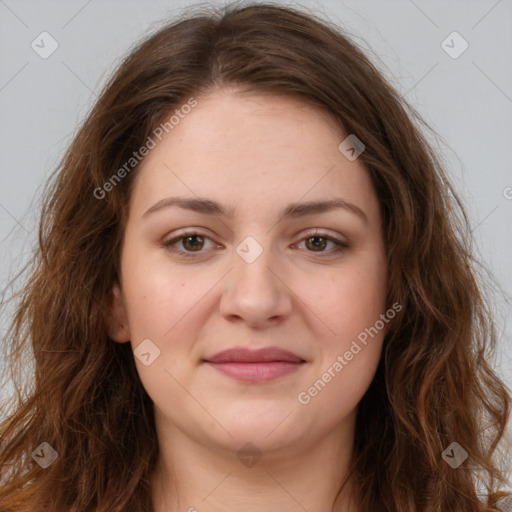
82, 395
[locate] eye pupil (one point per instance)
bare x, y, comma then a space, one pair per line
194, 246
316, 244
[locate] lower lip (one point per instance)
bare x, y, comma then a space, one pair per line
256, 372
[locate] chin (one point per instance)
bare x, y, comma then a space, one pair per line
267, 429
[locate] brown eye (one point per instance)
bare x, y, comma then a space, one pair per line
193, 242
319, 243
188, 244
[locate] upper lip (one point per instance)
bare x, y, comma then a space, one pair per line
262, 355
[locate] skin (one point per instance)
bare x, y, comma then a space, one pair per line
254, 154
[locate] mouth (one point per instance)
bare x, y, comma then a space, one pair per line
260, 365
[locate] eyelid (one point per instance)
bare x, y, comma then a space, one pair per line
181, 235
324, 234
341, 243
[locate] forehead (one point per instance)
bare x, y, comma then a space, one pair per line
254, 122
236, 148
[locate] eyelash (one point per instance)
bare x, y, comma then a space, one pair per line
340, 245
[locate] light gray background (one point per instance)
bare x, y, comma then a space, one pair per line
467, 100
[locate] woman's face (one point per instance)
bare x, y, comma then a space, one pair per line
252, 278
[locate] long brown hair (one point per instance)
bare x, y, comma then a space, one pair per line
434, 384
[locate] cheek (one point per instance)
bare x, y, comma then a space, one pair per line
350, 306
346, 361
162, 305
340, 391
346, 300
158, 296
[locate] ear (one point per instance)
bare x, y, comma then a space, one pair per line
117, 319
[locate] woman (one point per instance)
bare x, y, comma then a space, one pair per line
254, 291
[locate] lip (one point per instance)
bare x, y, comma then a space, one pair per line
261, 365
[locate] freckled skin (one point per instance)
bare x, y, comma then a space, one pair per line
257, 154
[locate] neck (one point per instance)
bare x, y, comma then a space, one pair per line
196, 476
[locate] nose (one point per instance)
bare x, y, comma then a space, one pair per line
257, 292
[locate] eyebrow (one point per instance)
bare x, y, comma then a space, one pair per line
292, 211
